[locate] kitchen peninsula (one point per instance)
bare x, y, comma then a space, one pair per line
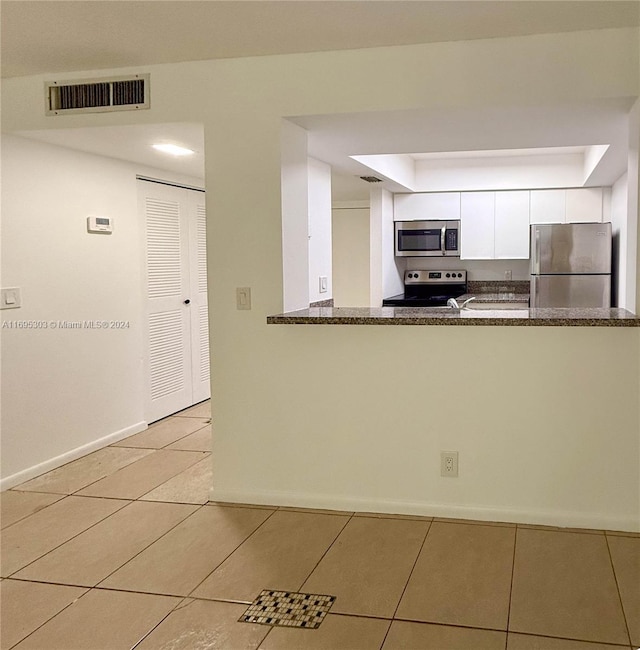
566, 317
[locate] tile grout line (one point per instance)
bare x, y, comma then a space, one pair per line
335, 539
513, 570
84, 487
615, 577
413, 567
122, 590
62, 496
73, 602
231, 552
75, 460
183, 437
456, 625
90, 483
159, 623
349, 518
153, 451
596, 644
198, 508
204, 426
90, 527
70, 538
206, 456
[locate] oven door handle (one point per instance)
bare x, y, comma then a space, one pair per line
443, 234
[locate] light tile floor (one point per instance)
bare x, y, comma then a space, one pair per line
120, 549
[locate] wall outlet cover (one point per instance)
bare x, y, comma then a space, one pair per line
243, 298
449, 464
11, 298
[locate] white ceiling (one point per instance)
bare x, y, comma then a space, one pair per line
471, 133
64, 36
60, 36
133, 143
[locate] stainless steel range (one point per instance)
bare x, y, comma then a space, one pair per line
429, 288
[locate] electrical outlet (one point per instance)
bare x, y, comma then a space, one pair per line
508, 275
449, 464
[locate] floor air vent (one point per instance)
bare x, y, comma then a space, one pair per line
97, 95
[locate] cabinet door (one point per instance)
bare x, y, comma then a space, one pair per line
477, 212
432, 206
548, 206
512, 225
584, 205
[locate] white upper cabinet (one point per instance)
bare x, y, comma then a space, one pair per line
512, 225
578, 205
477, 219
432, 206
548, 206
584, 205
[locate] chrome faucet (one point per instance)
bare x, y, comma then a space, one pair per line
453, 303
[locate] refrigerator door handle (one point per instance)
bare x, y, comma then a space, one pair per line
536, 248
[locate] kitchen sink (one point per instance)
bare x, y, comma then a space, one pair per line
477, 304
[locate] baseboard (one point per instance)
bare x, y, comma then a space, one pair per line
67, 457
563, 519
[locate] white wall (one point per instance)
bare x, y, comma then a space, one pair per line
619, 213
633, 209
476, 269
542, 417
508, 173
294, 183
396, 167
67, 390
319, 229
392, 270
350, 257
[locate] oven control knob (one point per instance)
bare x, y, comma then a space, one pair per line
448, 275
459, 275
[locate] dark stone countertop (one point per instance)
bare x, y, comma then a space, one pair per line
445, 316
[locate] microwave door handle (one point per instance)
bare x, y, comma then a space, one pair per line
443, 234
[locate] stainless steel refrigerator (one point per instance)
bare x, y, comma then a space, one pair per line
571, 265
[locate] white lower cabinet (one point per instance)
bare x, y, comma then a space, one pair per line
512, 225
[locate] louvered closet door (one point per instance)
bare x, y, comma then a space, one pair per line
172, 300
199, 306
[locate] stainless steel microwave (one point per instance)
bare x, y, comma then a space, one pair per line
427, 238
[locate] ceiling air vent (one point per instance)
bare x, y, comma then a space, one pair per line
97, 95
371, 179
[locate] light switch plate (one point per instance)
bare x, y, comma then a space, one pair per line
11, 298
243, 298
322, 284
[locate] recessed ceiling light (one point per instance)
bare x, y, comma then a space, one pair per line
173, 149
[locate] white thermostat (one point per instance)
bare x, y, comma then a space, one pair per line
100, 224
